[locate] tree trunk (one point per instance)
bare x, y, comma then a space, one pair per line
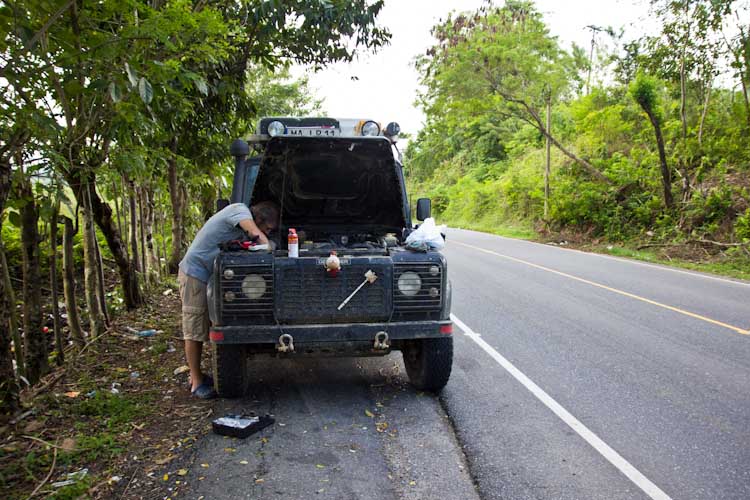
90, 271
12, 315
153, 257
184, 205
59, 341
666, 174
706, 101
35, 340
118, 209
101, 294
537, 122
103, 217
175, 196
142, 231
8, 386
163, 232
208, 202
69, 284
135, 261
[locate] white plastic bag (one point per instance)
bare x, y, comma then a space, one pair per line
428, 234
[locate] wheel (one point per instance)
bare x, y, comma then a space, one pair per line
229, 370
428, 363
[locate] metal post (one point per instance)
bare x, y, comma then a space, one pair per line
547, 165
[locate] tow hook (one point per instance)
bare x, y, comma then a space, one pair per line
381, 341
286, 343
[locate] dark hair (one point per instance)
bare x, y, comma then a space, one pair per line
265, 211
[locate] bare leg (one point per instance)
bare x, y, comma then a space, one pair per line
193, 350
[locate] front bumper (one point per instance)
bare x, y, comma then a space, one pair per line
345, 332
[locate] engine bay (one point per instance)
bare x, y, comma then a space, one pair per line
316, 243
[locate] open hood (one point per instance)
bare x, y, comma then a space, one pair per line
352, 182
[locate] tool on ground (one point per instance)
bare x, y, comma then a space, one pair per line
240, 426
370, 277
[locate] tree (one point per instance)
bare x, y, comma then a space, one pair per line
501, 61
644, 91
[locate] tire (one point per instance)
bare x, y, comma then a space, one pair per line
229, 370
428, 363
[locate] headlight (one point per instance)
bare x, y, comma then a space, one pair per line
276, 128
409, 283
370, 129
253, 286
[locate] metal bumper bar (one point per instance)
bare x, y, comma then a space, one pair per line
345, 332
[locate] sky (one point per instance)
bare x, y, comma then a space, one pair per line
383, 86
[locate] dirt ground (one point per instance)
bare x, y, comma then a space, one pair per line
97, 428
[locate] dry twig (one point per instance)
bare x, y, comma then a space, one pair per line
49, 474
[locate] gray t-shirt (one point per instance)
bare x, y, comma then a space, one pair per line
222, 226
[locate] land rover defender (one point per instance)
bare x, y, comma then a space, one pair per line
356, 288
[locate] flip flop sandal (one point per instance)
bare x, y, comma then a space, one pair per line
205, 391
207, 379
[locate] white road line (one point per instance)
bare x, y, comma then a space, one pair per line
603, 448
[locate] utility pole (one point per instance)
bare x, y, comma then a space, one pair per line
594, 31
547, 164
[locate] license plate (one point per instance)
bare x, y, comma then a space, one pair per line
313, 131
343, 260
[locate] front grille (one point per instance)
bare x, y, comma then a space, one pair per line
423, 300
250, 297
306, 293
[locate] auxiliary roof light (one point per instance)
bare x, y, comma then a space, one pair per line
370, 128
276, 128
392, 130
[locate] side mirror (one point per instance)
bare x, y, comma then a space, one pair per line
221, 204
424, 208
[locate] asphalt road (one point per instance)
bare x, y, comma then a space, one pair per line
575, 376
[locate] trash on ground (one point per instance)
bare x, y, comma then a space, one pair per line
134, 374
181, 369
240, 426
168, 291
114, 389
146, 333
71, 478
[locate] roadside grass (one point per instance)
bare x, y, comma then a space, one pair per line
111, 411
733, 267
516, 230
732, 264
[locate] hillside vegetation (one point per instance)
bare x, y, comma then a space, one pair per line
648, 139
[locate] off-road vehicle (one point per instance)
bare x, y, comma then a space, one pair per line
355, 289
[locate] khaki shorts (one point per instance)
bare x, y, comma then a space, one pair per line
194, 308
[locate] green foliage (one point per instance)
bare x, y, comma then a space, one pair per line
644, 91
742, 227
115, 410
481, 155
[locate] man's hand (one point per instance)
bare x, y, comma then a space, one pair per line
249, 226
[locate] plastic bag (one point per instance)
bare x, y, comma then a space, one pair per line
427, 235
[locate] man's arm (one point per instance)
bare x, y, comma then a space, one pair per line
249, 226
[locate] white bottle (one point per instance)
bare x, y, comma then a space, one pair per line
293, 243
